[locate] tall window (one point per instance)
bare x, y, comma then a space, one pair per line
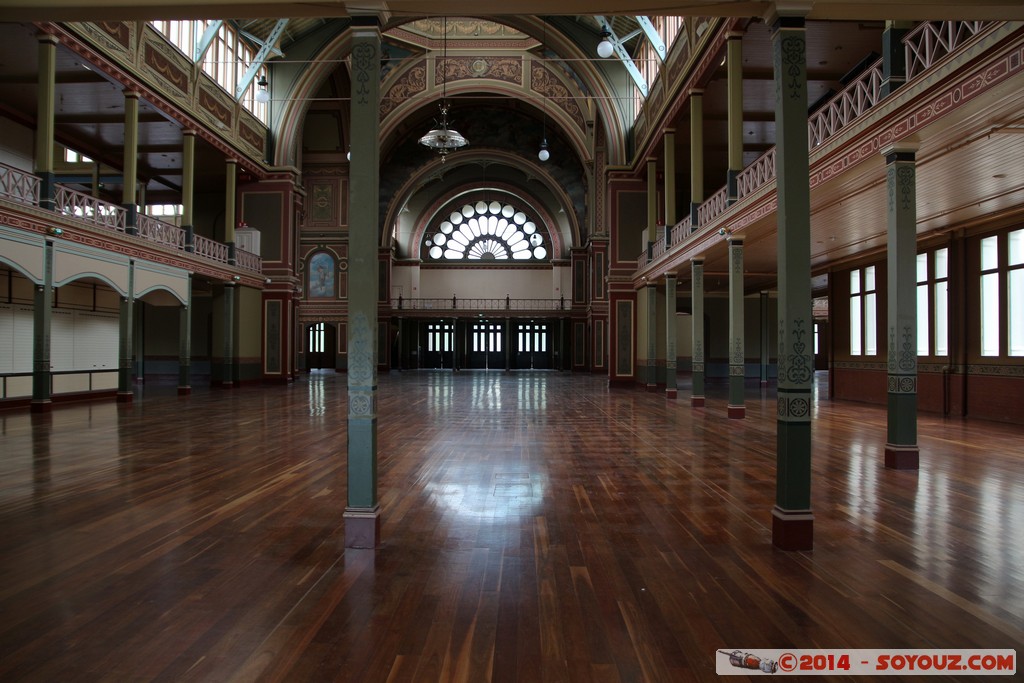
1002, 294
863, 312
439, 337
533, 337
487, 337
316, 338
933, 303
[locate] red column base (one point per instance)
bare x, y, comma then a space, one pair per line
125, 397
651, 387
671, 393
697, 401
362, 527
737, 412
902, 457
792, 529
184, 391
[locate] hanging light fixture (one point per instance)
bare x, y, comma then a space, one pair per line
605, 47
262, 95
444, 139
544, 154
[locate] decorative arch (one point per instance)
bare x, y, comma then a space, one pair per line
85, 275
532, 171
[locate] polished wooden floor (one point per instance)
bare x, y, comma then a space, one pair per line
537, 527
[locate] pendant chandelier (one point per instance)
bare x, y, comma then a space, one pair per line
443, 138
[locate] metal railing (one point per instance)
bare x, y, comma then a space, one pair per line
162, 233
855, 99
457, 304
210, 249
89, 209
925, 46
248, 261
930, 41
18, 186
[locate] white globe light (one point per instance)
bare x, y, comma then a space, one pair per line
605, 48
543, 154
262, 96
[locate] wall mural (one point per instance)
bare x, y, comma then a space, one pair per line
321, 276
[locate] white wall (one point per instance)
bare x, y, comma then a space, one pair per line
17, 145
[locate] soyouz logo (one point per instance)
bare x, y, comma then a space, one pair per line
761, 662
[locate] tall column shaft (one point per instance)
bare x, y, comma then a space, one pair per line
737, 353
901, 449
894, 56
131, 160
362, 514
188, 176
651, 309
185, 345
696, 153
734, 67
126, 334
792, 520
230, 292
765, 337
652, 202
671, 331
46, 85
230, 216
41, 326
670, 182
697, 393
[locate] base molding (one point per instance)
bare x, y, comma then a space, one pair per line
737, 412
697, 401
362, 527
902, 457
44, 406
671, 393
792, 529
652, 388
184, 391
125, 397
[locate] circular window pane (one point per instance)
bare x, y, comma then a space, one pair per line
536, 240
440, 239
435, 252
539, 252
481, 206
446, 227
529, 227
507, 211
456, 217
494, 207
468, 210
519, 218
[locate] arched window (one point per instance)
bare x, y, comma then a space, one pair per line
486, 231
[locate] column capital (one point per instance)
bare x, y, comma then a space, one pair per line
734, 240
787, 13
734, 34
908, 145
47, 38
697, 260
695, 92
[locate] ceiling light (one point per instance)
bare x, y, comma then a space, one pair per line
544, 154
442, 138
262, 95
605, 48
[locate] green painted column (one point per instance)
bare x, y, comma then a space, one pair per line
696, 154
651, 310
131, 161
894, 56
46, 84
697, 294
734, 84
670, 183
230, 192
737, 354
765, 336
901, 449
671, 330
126, 333
229, 362
41, 328
792, 520
188, 175
185, 344
362, 514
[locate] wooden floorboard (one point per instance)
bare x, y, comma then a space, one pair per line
536, 527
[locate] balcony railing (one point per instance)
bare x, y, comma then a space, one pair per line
930, 41
19, 186
163, 233
925, 46
855, 99
24, 188
454, 303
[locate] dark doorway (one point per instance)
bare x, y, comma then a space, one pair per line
320, 344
